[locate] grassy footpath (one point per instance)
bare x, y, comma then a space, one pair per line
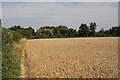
11, 61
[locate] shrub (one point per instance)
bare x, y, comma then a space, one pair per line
10, 61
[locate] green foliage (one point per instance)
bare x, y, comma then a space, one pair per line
62, 31
10, 65
55, 32
100, 33
112, 32
47, 27
83, 30
10, 61
16, 36
92, 29
6, 38
115, 31
24, 32
72, 32
28, 32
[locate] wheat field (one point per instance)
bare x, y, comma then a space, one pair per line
71, 58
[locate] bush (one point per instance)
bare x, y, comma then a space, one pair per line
10, 61
16, 36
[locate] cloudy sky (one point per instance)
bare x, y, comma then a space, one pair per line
0, 10
71, 14
60, 0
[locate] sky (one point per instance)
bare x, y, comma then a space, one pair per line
59, 0
0, 10
72, 14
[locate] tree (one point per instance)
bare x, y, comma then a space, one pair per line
115, 31
72, 32
16, 27
26, 32
45, 32
83, 30
92, 29
101, 33
61, 31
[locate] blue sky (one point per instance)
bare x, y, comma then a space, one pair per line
71, 14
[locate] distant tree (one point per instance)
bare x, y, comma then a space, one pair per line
83, 30
45, 32
31, 32
26, 32
115, 31
56, 32
92, 29
15, 27
100, 33
63, 30
107, 33
72, 32
102, 30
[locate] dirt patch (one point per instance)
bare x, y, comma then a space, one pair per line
72, 57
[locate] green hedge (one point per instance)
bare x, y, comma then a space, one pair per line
10, 62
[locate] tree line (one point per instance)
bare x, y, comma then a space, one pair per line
62, 31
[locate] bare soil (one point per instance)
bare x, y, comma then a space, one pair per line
72, 58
